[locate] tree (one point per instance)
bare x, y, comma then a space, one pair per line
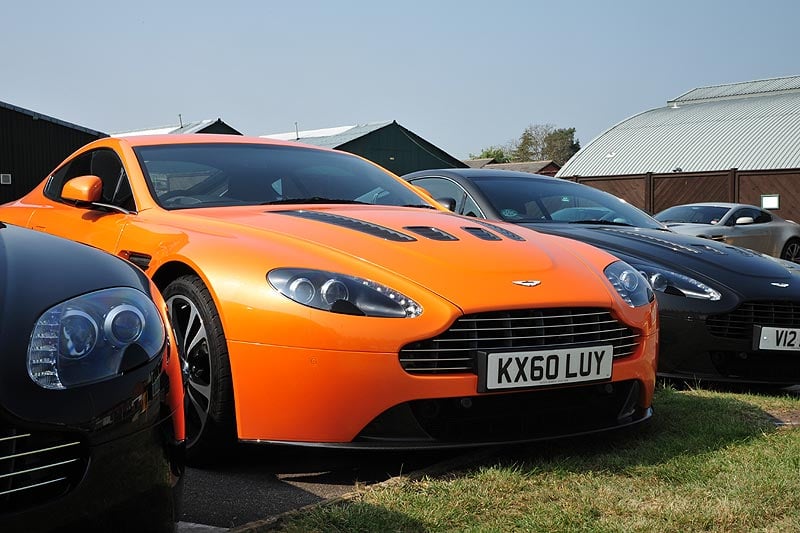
498, 153
530, 145
537, 143
560, 145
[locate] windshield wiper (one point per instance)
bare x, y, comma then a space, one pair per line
311, 200
421, 206
601, 222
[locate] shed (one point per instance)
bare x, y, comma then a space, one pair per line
735, 142
33, 144
388, 144
201, 126
547, 167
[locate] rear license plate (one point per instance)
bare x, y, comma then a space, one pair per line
769, 338
511, 370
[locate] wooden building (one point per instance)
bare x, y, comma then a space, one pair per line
546, 167
33, 144
738, 142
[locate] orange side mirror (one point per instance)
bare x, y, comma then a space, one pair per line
87, 188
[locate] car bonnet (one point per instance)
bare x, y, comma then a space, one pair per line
718, 261
473, 263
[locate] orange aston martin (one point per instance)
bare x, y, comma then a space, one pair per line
318, 299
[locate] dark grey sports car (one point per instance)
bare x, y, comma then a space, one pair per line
727, 313
91, 418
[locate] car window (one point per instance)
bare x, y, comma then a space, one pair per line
103, 163
545, 200
445, 188
693, 214
758, 216
218, 174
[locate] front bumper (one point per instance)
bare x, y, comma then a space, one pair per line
133, 483
689, 350
341, 398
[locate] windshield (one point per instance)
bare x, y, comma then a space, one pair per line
523, 200
217, 174
694, 214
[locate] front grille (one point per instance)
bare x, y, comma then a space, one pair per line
36, 467
738, 324
456, 350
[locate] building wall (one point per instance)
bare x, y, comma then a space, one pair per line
31, 146
656, 192
400, 151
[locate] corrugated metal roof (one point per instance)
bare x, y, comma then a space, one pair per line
39, 116
744, 88
329, 137
189, 127
757, 132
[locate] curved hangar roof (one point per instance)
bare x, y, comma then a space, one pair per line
751, 125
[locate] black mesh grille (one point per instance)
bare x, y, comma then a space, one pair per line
36, 467
481, 233
431, 233
456, 350
351, 223
739, 323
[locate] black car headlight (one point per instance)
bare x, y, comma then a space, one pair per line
94, 337
671, 282
629, 283
339, 293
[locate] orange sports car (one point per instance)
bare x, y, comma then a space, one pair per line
319, 299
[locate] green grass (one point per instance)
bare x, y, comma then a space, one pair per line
709, 461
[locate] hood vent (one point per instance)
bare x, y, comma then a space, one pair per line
663, 242
351, 223
481, 233
431, 233
502, 231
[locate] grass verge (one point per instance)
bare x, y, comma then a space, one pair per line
709, 461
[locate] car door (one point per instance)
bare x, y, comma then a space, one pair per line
754, 235
96, 226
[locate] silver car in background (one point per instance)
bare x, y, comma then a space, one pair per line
741, 225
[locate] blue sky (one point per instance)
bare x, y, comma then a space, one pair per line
464, 75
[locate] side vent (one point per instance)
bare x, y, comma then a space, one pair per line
431, 233
139, 259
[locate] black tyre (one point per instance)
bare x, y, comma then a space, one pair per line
791, 251
208, 402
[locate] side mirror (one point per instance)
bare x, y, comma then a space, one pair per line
744, 220
86, 189
447, 203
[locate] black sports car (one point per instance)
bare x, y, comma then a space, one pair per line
91, 419
727, 313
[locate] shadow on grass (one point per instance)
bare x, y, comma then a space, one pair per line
684, 425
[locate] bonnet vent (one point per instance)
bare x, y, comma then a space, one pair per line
351, 223
502, 231
431, 233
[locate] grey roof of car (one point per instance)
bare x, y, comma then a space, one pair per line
749, 126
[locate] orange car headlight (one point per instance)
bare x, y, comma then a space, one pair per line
339, 293
94, 337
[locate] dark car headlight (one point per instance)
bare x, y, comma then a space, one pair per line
671, 282
94, 337
629, 283
339, 293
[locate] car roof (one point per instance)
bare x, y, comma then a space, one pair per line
481, 172
718, 204
205, 138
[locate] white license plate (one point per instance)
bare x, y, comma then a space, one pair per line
779, 339
510, 370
